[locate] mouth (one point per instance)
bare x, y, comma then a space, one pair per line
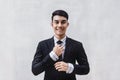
59, 29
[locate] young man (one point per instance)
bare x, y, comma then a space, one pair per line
57, 56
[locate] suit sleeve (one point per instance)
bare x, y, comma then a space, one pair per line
82, 67
40, 62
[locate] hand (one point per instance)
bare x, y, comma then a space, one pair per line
58, 50
61, 66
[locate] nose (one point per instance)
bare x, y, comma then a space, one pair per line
59, 25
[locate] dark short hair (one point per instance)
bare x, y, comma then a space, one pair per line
60, 13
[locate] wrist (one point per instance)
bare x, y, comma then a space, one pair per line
70, 68
53, 56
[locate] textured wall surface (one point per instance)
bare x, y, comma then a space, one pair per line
23, 23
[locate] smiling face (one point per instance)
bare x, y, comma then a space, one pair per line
59, 25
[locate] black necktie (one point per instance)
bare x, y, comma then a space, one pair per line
59, 43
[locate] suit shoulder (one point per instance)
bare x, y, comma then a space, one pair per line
74, 41
45, 41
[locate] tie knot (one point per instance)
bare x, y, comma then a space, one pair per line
59, 42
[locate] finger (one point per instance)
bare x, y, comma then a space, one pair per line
57, 63
61, 69
57, 68
63, 65
62, 47
60, 65
58, 45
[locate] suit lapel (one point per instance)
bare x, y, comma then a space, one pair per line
51, 44
67, 49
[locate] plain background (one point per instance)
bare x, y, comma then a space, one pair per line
23, 23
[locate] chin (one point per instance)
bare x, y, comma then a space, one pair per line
60, 35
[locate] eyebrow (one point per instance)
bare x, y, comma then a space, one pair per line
64, 20
58, 20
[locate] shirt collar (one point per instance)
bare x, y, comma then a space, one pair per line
63, 39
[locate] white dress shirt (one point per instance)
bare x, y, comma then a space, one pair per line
55, 57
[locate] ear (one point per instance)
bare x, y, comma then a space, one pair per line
68, 23
52, 24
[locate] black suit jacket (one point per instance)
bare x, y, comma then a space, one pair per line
74, 51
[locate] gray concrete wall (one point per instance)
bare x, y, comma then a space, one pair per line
23, 23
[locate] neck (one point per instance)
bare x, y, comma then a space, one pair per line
59, 37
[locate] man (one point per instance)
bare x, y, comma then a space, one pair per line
57, 56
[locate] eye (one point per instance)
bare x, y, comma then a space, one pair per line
56, 22
63, 22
